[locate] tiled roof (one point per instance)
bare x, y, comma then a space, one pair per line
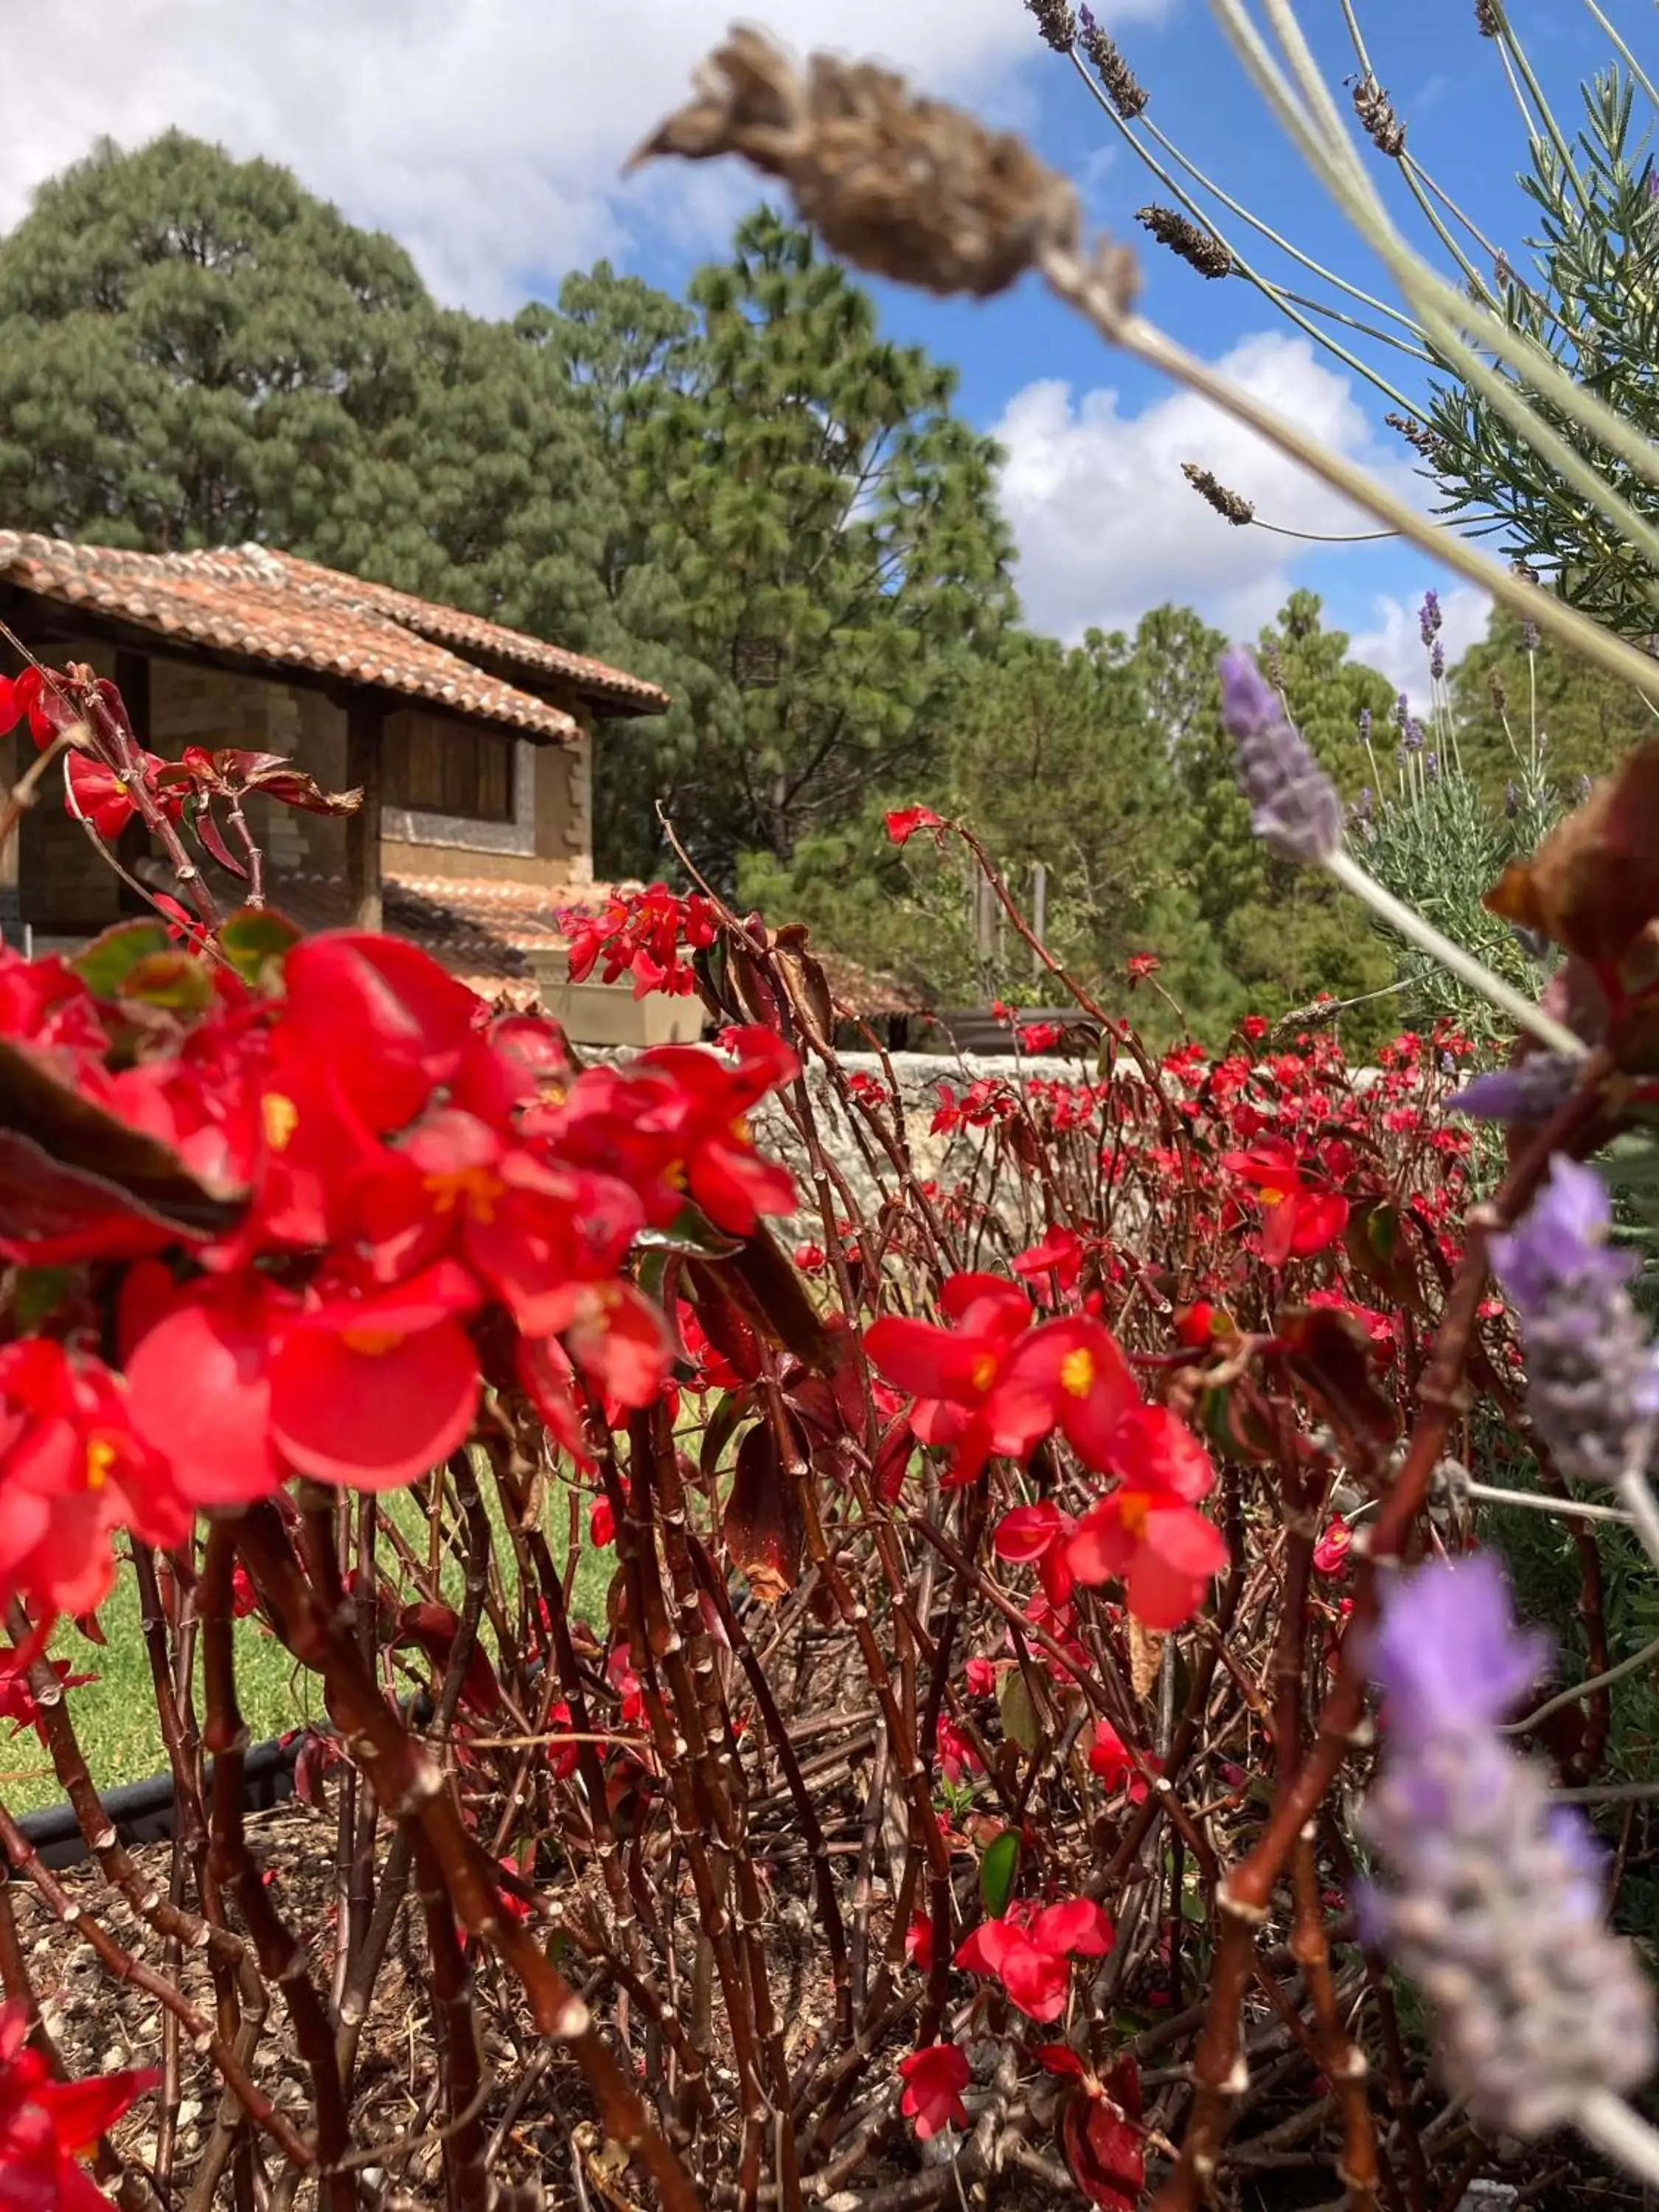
467, 633
482, 930
291, 614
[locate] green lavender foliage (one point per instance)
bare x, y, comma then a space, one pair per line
1589, 292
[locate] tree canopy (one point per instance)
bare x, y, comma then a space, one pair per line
753, 497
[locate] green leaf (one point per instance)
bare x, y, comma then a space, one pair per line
999, 1866
34, 1293
254, 938
174, 979
1020, 1723
108, 960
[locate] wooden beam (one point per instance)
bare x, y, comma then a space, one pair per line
365, 720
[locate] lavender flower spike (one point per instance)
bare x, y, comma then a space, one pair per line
1494, 1902
1294, 808
1593, 1374
1528, 1092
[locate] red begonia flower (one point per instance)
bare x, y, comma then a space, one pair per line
1065, 1374
374, 1391
1146, 1532
903, 822
673, 1124
951, 1370
199, 1385
1298, 1220
1038, 1534
1029, 1951
47, 2126
934, 2079
389, 1023
1060, 1255
1330, 1553
73, 1469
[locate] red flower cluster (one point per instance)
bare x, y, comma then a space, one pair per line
377, 1196
47, 2126
994, 1385
1029, 1951
645, 934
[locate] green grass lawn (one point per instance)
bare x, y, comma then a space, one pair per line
114, 1715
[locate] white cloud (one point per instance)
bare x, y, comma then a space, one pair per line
487, 135
1393, 642
1107, 526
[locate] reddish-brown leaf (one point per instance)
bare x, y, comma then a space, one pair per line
1592, 885
1104, 2145
765, 1536
1329, 1354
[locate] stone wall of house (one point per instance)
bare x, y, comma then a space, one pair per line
190, 705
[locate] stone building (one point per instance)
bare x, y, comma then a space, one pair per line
471, 743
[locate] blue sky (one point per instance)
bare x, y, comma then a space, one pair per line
1462, 124
488, 136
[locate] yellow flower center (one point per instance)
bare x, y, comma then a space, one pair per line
1076, 1373
100, 1458
984, 1371
741, 1130
371, 1342
477, 1187
1271, 1197
1132, 1507
281, 1118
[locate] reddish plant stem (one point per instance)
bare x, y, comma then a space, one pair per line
695, 1791
1342, 2060
460, 2069
281, 1957
829, 1906
412, 1790
1246, 1889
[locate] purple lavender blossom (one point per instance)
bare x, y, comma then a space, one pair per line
1531, 1091
1494, 1903
1593, 1374
1365, 725
1529, 637
1511, 798
1403, 711
1447, 1653
1413, 739
1428, 616
1437, 660
1294, 808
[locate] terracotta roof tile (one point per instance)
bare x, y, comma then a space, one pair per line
453, 626
270, 607
482, 930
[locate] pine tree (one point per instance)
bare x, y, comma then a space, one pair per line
809, 525
195, 351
